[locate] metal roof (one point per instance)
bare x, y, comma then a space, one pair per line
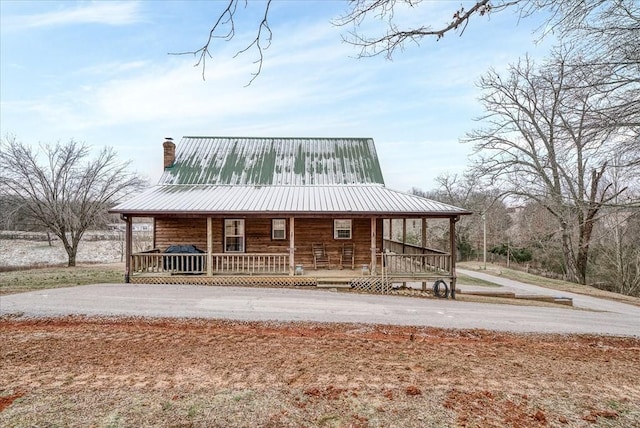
371, 199
286, 176
274, 161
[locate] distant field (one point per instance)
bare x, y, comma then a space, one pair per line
34, 253
19, 281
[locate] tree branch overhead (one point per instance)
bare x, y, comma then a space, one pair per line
224, 28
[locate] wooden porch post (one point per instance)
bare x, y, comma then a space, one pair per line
390, 229
404, 234
452, 243
209, 246
424, 245
128, 236
373, 245
292, 236
154, 233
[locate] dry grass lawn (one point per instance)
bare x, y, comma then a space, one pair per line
204, 373
20, 281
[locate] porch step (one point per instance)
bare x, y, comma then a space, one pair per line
333, 282
328, 285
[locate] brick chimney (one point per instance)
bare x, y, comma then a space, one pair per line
169, 152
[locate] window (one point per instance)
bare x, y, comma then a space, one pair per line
341, 229
234, 236
278, 228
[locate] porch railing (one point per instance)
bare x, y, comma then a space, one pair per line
414, 265
417, 264
404, 259
251, 264
224, 263
406, 248
155, 262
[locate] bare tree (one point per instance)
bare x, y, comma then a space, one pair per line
537, 229
548, 137
68, 192
486, 203
225, 28
396, 36
608, 32
608, 29
617, 253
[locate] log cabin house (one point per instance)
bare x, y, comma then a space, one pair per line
281, 211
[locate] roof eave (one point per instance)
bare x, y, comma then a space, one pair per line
386, 214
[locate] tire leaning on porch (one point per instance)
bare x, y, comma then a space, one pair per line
440, 289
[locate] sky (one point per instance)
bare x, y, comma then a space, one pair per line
101, 72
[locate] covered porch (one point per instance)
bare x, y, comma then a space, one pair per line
379, 261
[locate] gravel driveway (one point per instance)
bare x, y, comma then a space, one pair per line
240, 303
579, 300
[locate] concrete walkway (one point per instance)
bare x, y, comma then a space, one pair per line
261, 304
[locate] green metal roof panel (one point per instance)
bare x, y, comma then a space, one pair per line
274, 161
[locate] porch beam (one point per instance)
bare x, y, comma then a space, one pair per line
373, 245
292, 248
209, 246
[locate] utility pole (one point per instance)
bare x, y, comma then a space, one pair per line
484, 239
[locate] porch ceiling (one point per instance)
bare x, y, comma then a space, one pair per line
345, 200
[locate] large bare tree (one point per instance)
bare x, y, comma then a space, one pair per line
550, 135
61, 188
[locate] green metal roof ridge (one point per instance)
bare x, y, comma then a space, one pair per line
275, 185
276, 138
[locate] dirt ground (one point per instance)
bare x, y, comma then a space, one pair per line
194, 373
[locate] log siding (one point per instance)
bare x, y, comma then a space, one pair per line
193, 230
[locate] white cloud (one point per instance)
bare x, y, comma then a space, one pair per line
113, 68
99, 12
309, 77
